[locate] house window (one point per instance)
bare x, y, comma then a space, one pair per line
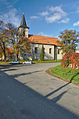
50, 49
36, 49
58, 51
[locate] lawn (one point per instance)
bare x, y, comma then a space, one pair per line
67, 74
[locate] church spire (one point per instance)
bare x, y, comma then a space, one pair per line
23, 28
23, 22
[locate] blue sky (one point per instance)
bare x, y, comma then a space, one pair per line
44, 17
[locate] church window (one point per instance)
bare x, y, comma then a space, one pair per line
50, 49
36, 49
58, 51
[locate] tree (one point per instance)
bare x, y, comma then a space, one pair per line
1, 54
42, 54
21, 44
7, 32
9, 37
69, 38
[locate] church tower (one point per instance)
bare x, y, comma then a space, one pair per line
23, 28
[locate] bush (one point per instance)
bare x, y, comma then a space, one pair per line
65, 61
71, 60
42, 54
74, 59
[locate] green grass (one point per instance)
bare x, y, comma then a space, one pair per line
34, 61
66, 74
46, 61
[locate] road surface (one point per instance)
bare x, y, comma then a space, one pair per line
28, 92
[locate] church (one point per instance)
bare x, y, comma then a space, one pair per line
51, 48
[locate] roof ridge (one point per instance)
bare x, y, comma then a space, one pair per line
44, 36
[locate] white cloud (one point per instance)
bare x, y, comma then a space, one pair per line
11, 17
45, 13
53, 18
34, 17
64, 20
53, 14
56, 14
76, 23
58, 9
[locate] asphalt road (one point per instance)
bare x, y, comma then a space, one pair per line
28, 92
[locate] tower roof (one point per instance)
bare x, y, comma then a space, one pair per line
23, 22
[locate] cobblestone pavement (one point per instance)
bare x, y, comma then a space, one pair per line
28, 92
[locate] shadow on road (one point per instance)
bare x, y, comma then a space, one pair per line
18, 101
57, 90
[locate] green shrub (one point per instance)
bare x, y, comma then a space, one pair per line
42, 54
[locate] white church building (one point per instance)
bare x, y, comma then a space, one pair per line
51, 48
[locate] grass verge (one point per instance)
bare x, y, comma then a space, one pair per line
34, 61
66, 74
46, 61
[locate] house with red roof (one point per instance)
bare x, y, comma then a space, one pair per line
51, 48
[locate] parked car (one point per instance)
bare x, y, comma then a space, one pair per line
15, 62
27, 62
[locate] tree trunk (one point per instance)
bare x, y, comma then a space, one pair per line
4, 51
4, 56
17, 57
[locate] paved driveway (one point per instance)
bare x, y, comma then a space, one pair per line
28, 92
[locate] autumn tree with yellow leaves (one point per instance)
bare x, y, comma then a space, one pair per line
69, 40
7, 32
9, 37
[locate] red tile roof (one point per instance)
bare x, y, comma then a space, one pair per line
43, 40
